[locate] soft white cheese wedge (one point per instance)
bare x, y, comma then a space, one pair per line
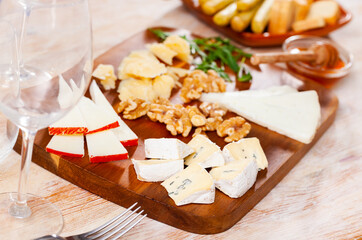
271, 91
72, 123
156, 170
104, 147
207, 154
192, 185
235, 178
124, 134
245, 149
67, 145
166, 148
96, 117
296, 115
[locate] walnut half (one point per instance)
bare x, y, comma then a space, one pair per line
235, 128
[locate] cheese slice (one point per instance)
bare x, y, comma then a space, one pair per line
296, 115
327, 9
140, 64
124, 134
245, 149
66, 145
156, 170
72, 123
96, 117
163, 85
162, 52
136, 88
271, 91
235, 178
180, 46
207, 154
104, 147
65, 94
166, 148
192, 185
105, 73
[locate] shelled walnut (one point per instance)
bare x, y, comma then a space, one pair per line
198, 82
211, 125
178, 121
133, 108
212, 109
235, 128
196, 117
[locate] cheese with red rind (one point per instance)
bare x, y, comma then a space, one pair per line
66, 145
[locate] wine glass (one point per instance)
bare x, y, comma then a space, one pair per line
46, 64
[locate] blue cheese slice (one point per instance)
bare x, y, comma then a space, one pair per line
207, 154
246, 149
166, 148
192, 185
156, 170
235, 178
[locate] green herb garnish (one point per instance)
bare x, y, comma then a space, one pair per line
212, 50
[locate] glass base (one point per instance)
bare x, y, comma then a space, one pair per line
44, 219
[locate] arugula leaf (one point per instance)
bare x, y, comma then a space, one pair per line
216, 49
159, 33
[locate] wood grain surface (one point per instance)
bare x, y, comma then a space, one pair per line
265, 39
321, 196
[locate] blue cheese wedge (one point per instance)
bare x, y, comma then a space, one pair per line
246, 149
235, 178
294, 114
207, 154
166, 148
192, 185
156, 170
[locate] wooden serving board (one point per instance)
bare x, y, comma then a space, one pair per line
117, 181
265, 39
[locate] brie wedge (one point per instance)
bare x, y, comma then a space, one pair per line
124, 134
245, 149
104, 147
166, 148
96, 117
72, 123
66, 145
192, 185
156, 170
295, 114
207, 154
235, 178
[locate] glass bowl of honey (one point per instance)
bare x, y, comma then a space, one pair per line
325, 75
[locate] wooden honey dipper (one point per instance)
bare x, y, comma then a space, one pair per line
319, 54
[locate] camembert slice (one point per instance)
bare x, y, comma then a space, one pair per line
192, 185
166, 148
245, 149
235, 178
207, 154
156, 170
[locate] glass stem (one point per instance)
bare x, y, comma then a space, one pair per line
19, 208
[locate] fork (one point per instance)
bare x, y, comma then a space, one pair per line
113, 229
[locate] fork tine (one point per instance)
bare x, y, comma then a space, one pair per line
111, 226
117, 228
128, 228
110, 221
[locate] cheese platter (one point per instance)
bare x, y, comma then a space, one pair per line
119, 181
